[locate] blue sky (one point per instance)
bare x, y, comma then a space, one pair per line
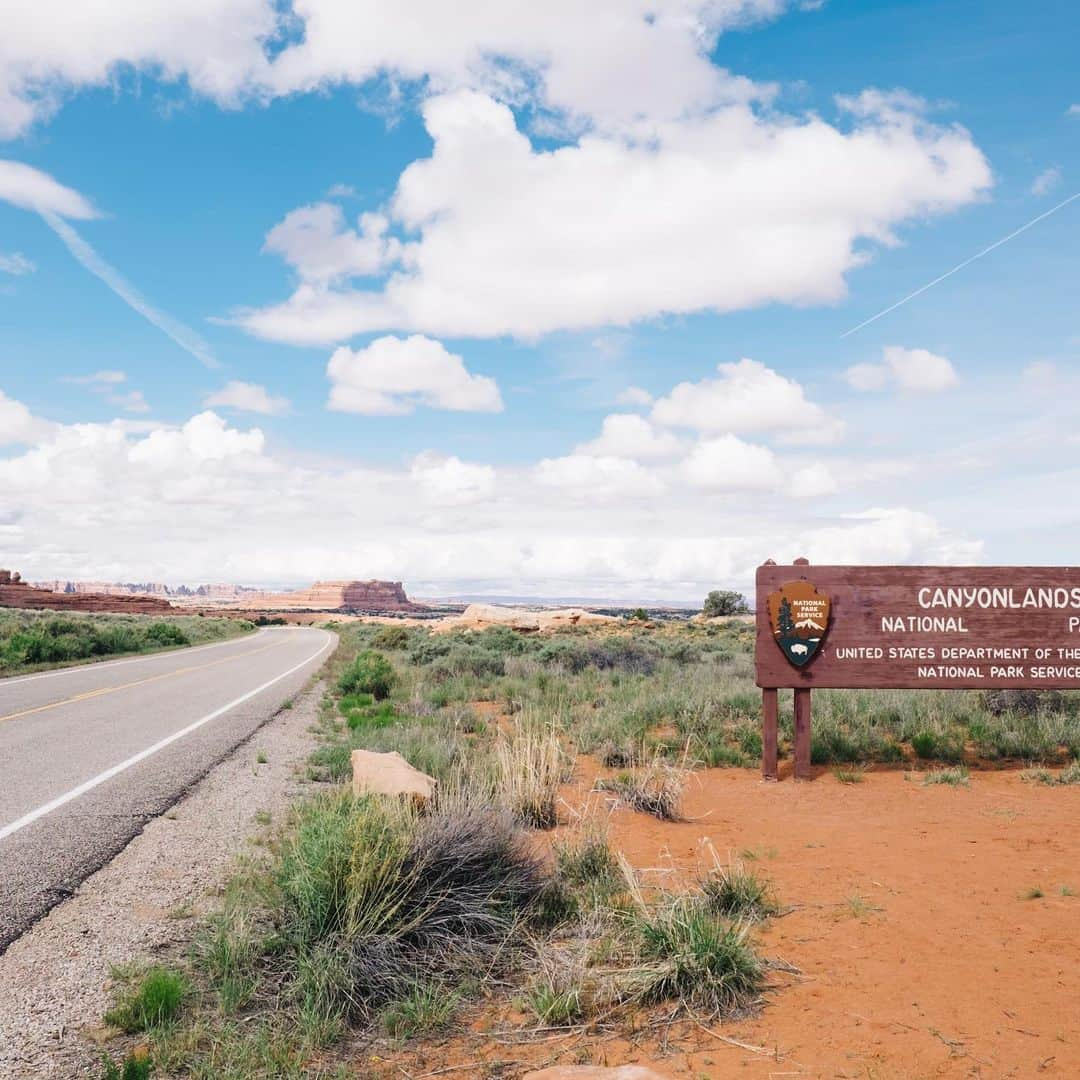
618, 202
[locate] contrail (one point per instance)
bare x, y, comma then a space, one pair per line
960, 266
183, 335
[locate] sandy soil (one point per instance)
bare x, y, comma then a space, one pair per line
920, 955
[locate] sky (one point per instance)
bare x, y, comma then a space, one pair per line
520, 299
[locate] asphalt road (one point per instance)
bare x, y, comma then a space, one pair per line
89, 754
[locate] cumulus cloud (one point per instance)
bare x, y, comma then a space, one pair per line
449, 481
609, 62
627, 435
316, 242
585, 476
747, 396
620, 230
247, 397
208, 500
728, 463
204, 438
393, 375
917, 371
18, 424
15, 263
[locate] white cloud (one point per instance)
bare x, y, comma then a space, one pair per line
728, 463
587, 477
392, 375
31, 189
15, 263
635, 397
98, 379
247, 397
56, 47
106, 383
747, 397
910, 370
18, 424
449, 481
1046, 181
204, 438
620, 230
1073, 110
133, 401
315, 241
627, 435
206, 500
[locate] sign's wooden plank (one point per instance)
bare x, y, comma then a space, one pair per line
918, 627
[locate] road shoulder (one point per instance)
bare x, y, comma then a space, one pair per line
55, 981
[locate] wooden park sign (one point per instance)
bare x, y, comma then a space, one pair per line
909, 628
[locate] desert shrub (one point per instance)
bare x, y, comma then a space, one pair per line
428, 647
167, 634
149, 1000
1025, 702
135, 1066
391, 637
1070, 775
403, 899
955, 777
369, 673
655, 788
588, 863
697, 959
468, 660
569, 655
724, 602
555, 1000
736, 892
424, 1010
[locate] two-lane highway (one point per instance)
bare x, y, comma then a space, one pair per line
89, 754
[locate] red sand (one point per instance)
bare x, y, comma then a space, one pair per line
944, 969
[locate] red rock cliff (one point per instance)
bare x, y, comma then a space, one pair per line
15, 593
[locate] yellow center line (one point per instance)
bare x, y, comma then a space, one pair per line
87, 694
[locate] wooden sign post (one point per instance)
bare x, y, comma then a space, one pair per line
909, 628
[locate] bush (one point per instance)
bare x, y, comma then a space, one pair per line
737, 893
724, 602
391, 637
152, 1000
400, 900
369, 673
167, 634
136, 1066
698, 960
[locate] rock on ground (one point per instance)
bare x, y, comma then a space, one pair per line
388, 774
55, 979
481, 616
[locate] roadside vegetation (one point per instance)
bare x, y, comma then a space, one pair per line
385, 921
37, 640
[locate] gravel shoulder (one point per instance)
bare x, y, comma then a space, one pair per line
55, 981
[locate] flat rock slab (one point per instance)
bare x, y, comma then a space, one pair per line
597, 1072
388, 774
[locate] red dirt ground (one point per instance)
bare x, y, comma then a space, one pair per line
942, 968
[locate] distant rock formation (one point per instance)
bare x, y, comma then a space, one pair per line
361, 596
481, 616
15, 593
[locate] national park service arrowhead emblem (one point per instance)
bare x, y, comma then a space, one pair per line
799, 617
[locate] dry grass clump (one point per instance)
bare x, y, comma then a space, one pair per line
955, 777
654, 788
733, 890
529, 767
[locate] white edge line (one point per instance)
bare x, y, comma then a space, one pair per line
142, 755
160, 654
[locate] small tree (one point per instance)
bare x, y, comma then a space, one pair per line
785, 620
724, 602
